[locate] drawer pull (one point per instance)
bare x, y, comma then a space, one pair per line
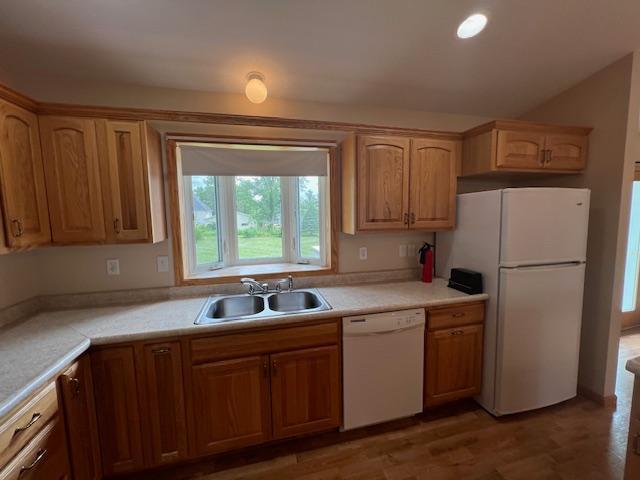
39, 456
160, 351
457, 332
36, 416
458, 315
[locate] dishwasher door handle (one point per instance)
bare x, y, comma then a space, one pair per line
383, 332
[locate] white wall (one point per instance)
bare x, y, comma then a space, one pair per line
602, 102
82, 269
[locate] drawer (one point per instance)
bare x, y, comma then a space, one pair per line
456, 316
266, 341
25, 423
44, 458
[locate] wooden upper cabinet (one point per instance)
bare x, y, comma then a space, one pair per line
72, 172
383, 182
433, 183
132, 181
76, 386
117, 407
230, 404
163, 388
515, 146
22, 184
566, 152
305, 391
520, 150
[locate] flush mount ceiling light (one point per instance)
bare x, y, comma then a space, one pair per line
472, 25
256, 90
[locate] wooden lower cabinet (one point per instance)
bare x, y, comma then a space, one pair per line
76, 388
117, 407
162, 392
453, 366
305, 391
231, 404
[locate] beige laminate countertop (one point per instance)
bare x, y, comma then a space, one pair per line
36, 349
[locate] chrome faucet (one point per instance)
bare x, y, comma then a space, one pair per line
288, 281
254, 286
257, 288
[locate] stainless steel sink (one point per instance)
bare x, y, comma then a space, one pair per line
294, 301
245, 307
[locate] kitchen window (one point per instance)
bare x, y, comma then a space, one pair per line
253, 205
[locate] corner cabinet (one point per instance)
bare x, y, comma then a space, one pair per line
397, 183
523, 147
22, 185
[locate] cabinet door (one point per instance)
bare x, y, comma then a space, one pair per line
230, 404
632, 464
305, 391
117, 407
520, 150
22, 185
453, 364
76, 385
164, 393
432, 195
72, 172
127, 186
383, 183
566, 152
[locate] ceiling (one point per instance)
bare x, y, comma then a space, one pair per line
397, 53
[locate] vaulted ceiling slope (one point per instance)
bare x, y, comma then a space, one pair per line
394, 53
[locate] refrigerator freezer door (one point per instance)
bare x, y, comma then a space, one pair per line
543, 225
539, 320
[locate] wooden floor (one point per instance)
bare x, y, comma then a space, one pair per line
574, 440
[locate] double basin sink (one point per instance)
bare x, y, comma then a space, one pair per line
245, 307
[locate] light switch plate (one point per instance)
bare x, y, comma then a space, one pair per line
163, 263
113, 266
363, 253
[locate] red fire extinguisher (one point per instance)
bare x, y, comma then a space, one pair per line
426, 259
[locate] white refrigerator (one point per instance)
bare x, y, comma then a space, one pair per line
530, 246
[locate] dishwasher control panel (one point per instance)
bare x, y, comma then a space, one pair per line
383, 322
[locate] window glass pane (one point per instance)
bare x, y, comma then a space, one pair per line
258, 217
205, 219
309, 218
630, 288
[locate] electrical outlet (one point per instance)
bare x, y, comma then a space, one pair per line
113, 266
403, 250
363, 253
163, 263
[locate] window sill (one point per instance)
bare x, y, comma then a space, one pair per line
234, 274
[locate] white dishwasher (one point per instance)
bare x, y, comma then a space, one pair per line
383, 362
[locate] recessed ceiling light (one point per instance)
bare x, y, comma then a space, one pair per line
472, 26
256, 90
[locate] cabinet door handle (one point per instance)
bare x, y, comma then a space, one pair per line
39, 456
547, 157
543, 157
265, 369
161, 351
17, 228
274, 367
76, 386
457, 332
405, 219
36, 416
413, 218
116, 225
636, 441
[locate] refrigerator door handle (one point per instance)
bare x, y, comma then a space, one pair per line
543, 266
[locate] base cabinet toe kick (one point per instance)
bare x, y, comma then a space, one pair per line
130, 407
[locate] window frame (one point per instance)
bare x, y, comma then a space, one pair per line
327, 263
